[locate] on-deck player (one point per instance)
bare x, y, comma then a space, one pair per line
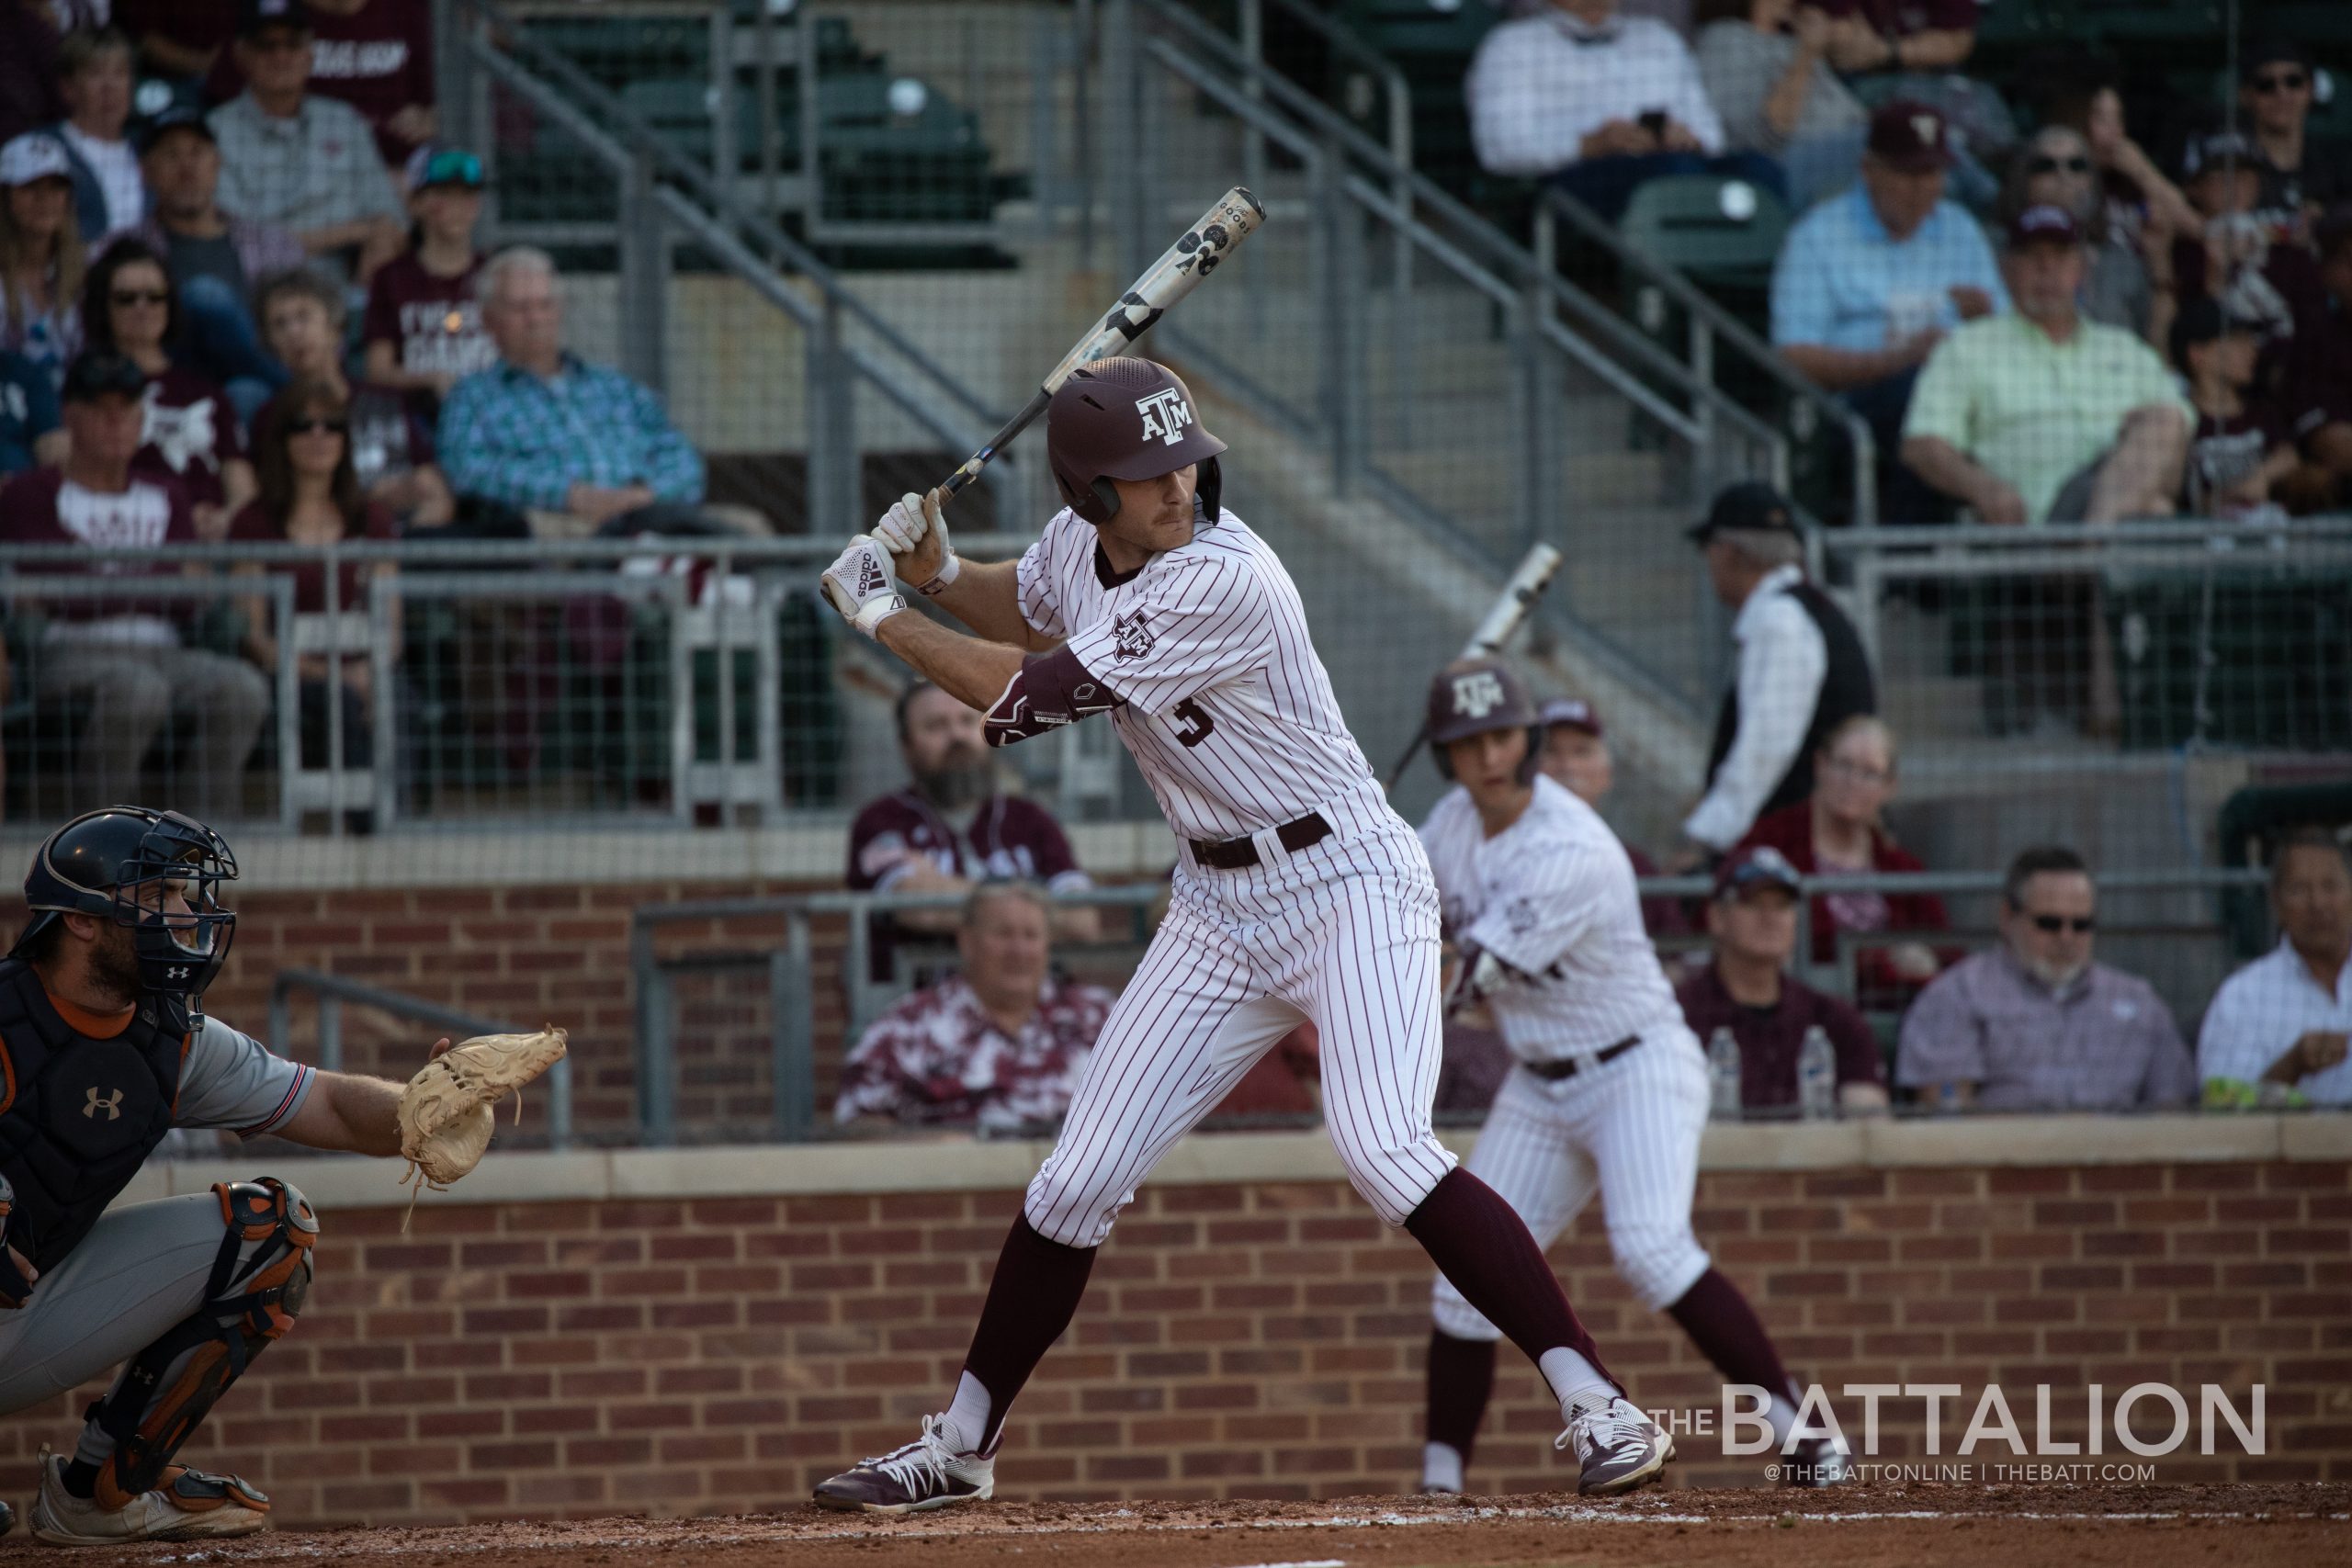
1298, 893
1610, 1089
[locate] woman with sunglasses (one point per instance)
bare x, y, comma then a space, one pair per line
2057, 170
1840, 830
191, 426
42, 259
310, 495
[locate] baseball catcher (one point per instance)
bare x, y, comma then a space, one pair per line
105, 1049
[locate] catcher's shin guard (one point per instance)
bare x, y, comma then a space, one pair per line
256, 1287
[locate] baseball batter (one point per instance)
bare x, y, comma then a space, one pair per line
1610, 1089
105, 1051
1297, 895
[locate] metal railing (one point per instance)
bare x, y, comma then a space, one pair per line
332, 991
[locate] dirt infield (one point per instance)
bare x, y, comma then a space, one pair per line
1855, 1527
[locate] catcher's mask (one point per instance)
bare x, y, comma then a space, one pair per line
157, 873
1471, 697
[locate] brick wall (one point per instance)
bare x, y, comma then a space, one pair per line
723, 1353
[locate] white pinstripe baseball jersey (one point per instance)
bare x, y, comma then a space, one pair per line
1552, 895
1229, 711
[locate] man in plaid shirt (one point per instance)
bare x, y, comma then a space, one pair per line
541, 431
1000, 1044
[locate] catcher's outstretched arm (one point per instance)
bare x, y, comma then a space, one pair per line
351, 1113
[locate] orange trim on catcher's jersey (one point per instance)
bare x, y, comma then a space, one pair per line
92, 1025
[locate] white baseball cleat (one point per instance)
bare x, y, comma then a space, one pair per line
187, 1505
930, 1472
1617, 1446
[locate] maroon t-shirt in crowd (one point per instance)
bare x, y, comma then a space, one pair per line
254, 524
38, 507
2226, 450
432, 323
379, 61
1770, 1038
1906, 18
191, 431
191, 24
1010, 837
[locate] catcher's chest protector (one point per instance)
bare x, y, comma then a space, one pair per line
78, 1116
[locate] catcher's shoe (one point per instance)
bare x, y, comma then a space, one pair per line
929, 1472
1617, 1446
185, 1506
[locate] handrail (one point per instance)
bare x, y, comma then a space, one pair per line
1347, 41
741, 549
333, 991
646, 142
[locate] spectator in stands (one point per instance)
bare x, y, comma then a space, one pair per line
121, 660
1575, 754
214, 257
424, 330
2259, 268
29, 94
2301, 177
31, 434
1000, 1044
953, 826
1598, 103
1915, 49
179, 40
2056, 170
2276, 1029
1840, 830
1746, 988
41, 258
2244, 445
1800, 669
1765, 68
94, 71
191, 428
1871, 281
2044, 416
543, 431
310, 495
2034, 1024
390, 447
292, 157
375, 55
2319, 376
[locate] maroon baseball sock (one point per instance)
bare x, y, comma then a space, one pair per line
1478, 1242
1727, 1331
1462, 1377
1031, 1300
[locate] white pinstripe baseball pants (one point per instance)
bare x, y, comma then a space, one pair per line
1629, 1129
1344, 933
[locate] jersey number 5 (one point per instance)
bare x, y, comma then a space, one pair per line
1195, 718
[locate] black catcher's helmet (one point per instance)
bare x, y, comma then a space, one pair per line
158, 873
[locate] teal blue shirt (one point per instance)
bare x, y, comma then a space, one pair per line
1844, 282
508, 437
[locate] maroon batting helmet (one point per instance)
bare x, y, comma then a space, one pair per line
1126, 419
1471, 697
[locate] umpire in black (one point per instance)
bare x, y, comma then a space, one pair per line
1799, 671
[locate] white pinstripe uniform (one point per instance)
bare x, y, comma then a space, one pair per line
1552, 897
1231, 717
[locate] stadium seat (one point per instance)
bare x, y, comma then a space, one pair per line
1719, 231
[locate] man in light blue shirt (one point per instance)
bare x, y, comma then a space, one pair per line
1871, 281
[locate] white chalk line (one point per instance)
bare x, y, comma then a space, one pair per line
1577, 1513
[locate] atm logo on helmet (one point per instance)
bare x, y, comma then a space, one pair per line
1476, 695
1165, 415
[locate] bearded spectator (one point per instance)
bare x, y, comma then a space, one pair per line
1000, 1044
192, 427
2034, 1024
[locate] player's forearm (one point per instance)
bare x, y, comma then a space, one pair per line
986, 596
348, 1113
972, 671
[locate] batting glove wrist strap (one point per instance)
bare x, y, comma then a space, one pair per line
947, 570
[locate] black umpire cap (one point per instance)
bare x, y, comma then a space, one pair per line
1750, 507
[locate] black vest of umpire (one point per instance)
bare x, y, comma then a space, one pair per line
79, 1113
1847, 689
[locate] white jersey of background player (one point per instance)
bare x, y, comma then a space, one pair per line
1297, 895
1610, 1089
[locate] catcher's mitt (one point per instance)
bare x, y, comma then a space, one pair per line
444, 1113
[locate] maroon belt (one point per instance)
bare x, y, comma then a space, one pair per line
1568, 1066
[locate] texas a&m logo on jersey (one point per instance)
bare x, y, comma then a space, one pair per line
1478, 693
1131, 636
1165, 415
